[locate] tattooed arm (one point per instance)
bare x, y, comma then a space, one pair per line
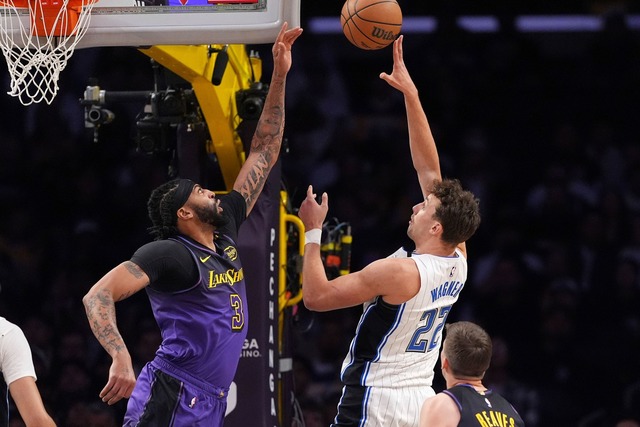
267, 139
118, 284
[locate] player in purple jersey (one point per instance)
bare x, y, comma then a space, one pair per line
466, 355
195, 282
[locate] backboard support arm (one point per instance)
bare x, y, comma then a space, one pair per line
195, 64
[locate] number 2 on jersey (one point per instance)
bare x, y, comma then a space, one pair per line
425, 338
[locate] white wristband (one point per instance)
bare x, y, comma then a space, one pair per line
313, 236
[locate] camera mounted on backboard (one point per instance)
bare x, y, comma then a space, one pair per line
250, 102
156, 124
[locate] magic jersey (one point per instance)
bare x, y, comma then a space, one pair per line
391, 341
396, 347
482, 409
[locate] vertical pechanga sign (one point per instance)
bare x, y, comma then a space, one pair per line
253, 398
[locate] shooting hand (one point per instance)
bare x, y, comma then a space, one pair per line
399, 77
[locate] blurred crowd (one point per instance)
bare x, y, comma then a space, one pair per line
542, 128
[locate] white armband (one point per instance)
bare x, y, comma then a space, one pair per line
313, 236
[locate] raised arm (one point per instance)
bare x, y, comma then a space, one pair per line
267, 139
423, 147
118, 284
395, 279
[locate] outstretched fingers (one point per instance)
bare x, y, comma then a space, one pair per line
286, 37
291, 36
399, 77
311, 213
398, 65
282, 49
397, 50
310, 194
313, 197
325, 200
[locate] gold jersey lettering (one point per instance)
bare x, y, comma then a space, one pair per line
229, 277
481, 420
487, 419
494, 419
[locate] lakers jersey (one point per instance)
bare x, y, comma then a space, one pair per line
480, 409
204, 327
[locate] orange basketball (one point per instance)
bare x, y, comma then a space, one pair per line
371, 24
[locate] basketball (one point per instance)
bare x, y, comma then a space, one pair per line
371, 24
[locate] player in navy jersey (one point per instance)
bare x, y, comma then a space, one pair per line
466, 355
195, 282
406, 298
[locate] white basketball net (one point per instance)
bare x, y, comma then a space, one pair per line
35, 61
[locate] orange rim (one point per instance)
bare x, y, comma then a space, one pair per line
45, 14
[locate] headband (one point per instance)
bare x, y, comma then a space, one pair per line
181, 194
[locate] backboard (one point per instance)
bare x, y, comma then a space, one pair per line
180, 22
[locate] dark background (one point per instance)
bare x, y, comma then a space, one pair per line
542, 127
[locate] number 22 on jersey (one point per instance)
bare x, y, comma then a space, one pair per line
426, 337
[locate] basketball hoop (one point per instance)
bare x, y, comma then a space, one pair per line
38, 44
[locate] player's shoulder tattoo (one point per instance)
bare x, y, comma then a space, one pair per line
134, 269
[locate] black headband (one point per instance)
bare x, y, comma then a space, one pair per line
181, 194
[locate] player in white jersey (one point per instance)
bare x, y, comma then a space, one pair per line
19, 377
388, 371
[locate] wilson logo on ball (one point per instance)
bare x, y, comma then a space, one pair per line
379, 33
